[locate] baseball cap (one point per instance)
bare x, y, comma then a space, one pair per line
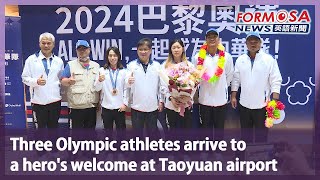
212, 30
82, 43
253, 34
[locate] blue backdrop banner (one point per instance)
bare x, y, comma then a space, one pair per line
15, 114
287, 31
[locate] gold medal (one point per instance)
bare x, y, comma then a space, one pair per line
114, 92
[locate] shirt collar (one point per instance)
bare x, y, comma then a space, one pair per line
41, 56
139, 61
86, 65
248, 53
217, 52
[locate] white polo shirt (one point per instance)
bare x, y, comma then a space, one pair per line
108, 100
257, 79
32, 71
145, 91
215, 94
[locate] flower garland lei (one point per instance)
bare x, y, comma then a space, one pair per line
220, 65
273, 112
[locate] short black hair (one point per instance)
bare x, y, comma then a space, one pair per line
145, 41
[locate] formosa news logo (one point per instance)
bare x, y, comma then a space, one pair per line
274, 22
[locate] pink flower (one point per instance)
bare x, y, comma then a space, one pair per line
280, 105
206, 76
221, 53
183, 75
270, 115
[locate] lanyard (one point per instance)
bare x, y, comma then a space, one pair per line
114, 83
47, 64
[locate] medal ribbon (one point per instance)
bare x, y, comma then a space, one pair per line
114, 83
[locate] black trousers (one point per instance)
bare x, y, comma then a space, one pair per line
47, 116
139, 119
163, 120
176, 121
110, 116
252, 124
83, 118
214, 118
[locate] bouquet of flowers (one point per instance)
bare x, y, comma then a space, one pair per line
182, 81
275, 113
